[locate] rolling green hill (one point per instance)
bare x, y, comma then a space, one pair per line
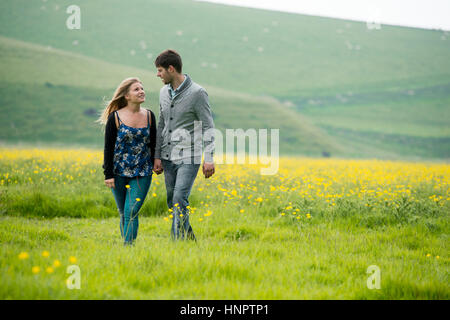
43, 101
358, 92
414, 121
298, 55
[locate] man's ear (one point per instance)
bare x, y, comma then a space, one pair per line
171, 69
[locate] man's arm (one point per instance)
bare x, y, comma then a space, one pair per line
204, 114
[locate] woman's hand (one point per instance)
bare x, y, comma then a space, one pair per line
157, 166
110, 183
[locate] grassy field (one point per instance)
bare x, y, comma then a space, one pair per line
308, 232
333, 87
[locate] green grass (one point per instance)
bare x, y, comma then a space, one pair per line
241, 261
55, 79
62, 207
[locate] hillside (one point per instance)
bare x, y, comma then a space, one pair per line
247, 50
43, 101
360, 93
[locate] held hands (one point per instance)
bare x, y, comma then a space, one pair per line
110, 183
208, 169
157, 166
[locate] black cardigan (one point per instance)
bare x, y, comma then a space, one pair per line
110, 142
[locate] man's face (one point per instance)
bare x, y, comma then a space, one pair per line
164, 74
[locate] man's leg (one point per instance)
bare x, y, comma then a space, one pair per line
185, 177
170, 175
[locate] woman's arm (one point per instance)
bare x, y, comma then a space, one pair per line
152, 144
110, 141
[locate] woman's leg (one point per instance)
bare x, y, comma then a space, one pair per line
119, 193
134, 199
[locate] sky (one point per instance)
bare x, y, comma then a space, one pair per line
427, 14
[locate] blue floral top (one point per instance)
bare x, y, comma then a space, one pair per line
131, 153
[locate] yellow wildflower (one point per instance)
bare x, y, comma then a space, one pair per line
72, 259
23, 255
56, 263
208, 213
35, 269
49, 270
45, 254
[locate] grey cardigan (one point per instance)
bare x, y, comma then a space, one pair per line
175, 140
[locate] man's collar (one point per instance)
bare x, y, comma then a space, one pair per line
180, 87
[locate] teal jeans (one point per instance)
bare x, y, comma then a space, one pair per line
129, 202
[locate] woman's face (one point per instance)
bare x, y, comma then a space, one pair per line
136, 93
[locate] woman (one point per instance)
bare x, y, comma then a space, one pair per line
130, 138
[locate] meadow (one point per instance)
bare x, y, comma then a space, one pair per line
363, 179
309, 232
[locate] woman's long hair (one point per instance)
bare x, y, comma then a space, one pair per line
118, 101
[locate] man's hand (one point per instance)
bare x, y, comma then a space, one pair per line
208, 169
110, 183
157, 166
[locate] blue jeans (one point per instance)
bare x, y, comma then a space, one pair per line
179, 179
128, 205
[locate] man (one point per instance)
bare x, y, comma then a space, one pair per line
178, 151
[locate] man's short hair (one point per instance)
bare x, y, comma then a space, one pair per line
169, 58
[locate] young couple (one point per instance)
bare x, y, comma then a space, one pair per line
135, 145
